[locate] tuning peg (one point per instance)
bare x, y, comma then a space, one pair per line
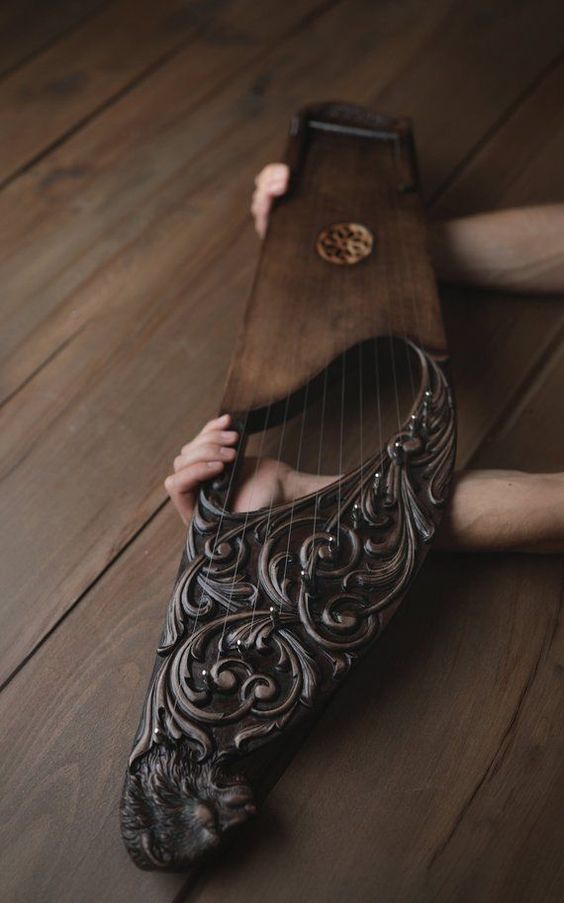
357, 515
398, 451
207, 678
306, 581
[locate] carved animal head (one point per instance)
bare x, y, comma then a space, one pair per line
174, 809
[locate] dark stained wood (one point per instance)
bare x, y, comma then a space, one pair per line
102, 331
63, 840
338, 177
536, 134
28, 26
512, 821
527, 439
307, 564
91, 264
82, 257
165, 274
161, 164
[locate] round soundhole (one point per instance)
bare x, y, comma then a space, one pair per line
344, 243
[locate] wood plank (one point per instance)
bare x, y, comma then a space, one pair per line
74, 755
74, 403
501, 340
27, 26
519, 165
536, 137
512, 823
63, 842
534, 176
531, 437
74, 78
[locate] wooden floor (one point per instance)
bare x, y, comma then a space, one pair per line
130, 135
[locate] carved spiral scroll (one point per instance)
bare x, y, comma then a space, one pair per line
268, 615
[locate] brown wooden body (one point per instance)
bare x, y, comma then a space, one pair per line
347, 165
273, 607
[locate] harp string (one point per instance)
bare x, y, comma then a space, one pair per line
361, 403
204, 588
341, 437
275, 484
241, 544
293, 501
361, 414
248, 513
319, 458
404, 267
391, 267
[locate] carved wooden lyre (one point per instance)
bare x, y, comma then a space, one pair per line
273, 607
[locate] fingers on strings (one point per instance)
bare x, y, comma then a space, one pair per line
204, 456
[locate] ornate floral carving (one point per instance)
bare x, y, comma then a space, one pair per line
270, 610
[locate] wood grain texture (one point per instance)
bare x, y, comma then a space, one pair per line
276, 606
96, 263
66, 812
96, 62
163, 157
473, 803
336, 177
199, 152
115, 328
426, 719
29, 26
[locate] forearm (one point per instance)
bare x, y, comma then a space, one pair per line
488, 510
504, 510
520, 250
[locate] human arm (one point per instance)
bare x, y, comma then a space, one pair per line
488, 510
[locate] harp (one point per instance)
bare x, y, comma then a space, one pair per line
272, 607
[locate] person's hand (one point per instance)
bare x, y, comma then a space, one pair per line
201, 459
271, 182
504, 510
261, 483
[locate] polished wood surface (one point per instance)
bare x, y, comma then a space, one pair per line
126, 259
347, 166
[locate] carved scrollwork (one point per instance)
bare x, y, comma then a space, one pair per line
270, 611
